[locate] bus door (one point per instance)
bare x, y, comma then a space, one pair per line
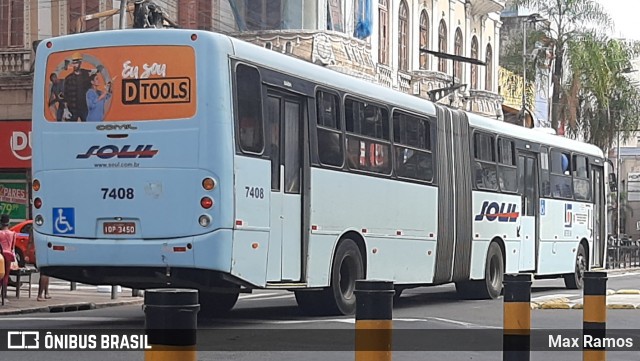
599, 236
284, 117
528, 175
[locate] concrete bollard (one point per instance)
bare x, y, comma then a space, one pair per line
171, 322
517, 318
374, 320
594, 314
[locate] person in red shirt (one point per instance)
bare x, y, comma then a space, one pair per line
8, 245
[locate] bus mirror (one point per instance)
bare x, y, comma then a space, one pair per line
613, 182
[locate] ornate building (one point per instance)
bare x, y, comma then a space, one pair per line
379, 40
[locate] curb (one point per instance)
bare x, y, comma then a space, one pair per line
628, 292
71, 307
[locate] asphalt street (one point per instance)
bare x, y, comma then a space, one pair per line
425, 313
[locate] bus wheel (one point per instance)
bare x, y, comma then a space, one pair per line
491, 286
217, 304
575, 280
347, 267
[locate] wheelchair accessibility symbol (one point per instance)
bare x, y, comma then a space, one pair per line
63, 221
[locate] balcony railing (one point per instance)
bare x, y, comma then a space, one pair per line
14, 61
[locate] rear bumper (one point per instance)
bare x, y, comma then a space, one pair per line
202, 260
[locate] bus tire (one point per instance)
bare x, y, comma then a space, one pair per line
217, 304
491, 286
575, 280
347, 267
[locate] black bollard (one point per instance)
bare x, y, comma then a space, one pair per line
594, 314
171, 322
517, 317
374, 320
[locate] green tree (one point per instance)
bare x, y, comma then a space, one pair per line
599, 100
568, 20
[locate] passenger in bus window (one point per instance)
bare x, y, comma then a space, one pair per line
329, 147
353, 153
250, 134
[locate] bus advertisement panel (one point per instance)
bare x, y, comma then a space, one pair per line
118, 83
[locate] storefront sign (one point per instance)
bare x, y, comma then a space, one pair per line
15, 144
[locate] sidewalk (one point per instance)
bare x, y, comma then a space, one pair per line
85, 297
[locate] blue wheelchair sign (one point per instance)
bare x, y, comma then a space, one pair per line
64, 221
543, 208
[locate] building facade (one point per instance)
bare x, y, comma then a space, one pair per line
378, 40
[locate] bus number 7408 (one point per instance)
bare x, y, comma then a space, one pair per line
254, 192
117, 193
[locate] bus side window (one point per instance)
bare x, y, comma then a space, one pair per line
328, 129
561, 180
545, 185
249, 109
485, 155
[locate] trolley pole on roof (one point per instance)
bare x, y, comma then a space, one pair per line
123, 13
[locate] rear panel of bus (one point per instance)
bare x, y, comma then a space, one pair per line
132, 152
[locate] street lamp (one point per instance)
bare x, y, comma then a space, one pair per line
533, 18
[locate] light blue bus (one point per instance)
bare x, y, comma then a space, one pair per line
202, 161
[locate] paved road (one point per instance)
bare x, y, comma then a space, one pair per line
422, 309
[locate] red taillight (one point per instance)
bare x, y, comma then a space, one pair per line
37, 203
206, 202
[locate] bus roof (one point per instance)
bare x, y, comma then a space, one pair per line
328, 77
333, 79
538, 136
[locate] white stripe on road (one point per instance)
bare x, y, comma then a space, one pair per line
87, 319
244, 297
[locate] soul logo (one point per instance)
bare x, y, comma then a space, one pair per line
504, 212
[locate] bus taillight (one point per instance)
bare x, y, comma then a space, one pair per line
39, 220
36, 185
208, 184
206, 202
37, 203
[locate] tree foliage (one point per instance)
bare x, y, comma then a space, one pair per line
568, 20
601, 100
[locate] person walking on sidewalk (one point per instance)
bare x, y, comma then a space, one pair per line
8, 245
43, 282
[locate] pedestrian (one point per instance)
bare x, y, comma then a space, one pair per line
8, 245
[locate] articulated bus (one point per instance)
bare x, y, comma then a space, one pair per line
176, 158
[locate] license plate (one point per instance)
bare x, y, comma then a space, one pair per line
119, 228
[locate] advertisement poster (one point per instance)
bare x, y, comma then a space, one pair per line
15, 144
14, 199
121, 83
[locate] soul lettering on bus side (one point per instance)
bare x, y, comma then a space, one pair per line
504, 212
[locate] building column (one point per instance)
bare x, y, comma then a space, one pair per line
482, 53
467, 43
496, 52
435, 23
451, 35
